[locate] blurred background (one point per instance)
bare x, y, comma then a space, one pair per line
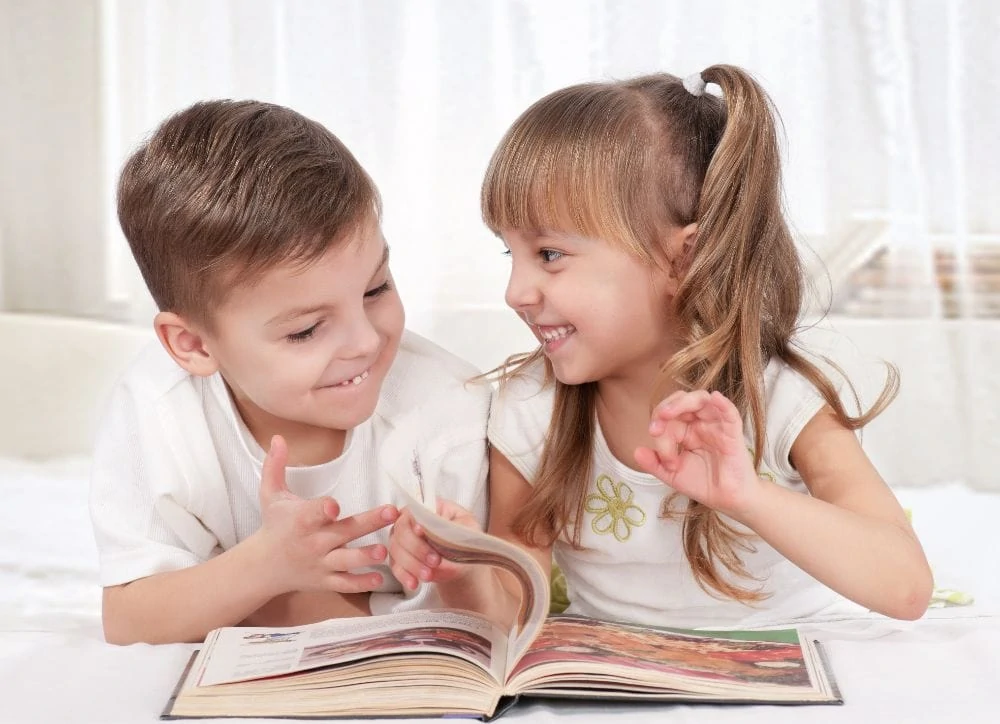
890, 111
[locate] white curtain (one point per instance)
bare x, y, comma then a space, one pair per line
889, 109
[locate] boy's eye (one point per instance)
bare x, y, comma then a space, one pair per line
379, 290
550, 255
506, 252
303, 335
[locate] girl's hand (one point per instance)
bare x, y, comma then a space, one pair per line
306, 539
412, 558
699, 451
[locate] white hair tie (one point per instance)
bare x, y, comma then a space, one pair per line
694, 84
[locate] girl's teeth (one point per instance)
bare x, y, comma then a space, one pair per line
558, 332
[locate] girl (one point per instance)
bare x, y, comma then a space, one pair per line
653, 263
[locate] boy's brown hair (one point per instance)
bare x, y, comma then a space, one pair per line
225, 190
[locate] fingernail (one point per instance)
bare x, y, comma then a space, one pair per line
433, 559
378, 553
376, 579
425, 574
389, 514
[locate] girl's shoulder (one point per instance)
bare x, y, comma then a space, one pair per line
520, 416
791, 400
526, 384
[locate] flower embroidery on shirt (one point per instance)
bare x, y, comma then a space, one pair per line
761, 474
613, 509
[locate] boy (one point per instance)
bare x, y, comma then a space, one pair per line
281, 343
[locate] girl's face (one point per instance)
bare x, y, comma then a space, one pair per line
598, 311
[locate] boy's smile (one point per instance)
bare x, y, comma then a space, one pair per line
304, 350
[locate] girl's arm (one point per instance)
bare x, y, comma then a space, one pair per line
851, 534
483, 589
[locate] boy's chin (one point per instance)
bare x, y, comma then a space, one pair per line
349, 418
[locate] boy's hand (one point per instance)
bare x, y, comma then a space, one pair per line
306, 541
699, 450
411, 556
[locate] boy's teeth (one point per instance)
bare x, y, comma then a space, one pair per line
356, 380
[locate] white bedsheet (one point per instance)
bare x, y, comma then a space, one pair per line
942, 670
54, 666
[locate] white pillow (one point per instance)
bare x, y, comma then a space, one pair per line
48, 559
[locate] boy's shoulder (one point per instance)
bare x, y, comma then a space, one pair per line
424, 373
153, 374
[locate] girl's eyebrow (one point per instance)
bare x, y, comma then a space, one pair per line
383, 261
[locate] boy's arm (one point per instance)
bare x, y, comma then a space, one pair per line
299, 547
302, 607
185, 605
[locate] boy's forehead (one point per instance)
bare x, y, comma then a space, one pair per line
363, 250
343, 269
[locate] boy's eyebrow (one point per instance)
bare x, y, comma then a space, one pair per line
304, 311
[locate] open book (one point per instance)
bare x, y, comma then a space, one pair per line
452, 663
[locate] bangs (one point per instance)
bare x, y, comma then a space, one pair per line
576, 162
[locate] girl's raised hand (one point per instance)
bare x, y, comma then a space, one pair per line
699, 450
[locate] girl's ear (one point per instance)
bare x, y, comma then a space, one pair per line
680, 248
185, 343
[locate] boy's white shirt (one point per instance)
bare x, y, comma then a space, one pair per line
641, 574
176, 474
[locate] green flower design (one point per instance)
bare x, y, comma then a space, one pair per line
613, 509
761, 473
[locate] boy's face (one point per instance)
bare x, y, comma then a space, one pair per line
306, 349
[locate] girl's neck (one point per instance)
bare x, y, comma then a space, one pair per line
623, 412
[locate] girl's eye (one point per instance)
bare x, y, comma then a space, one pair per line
550, 255
302, 336
378, 291
506, 252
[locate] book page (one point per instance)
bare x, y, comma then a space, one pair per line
692, 661
464, 545
240, 654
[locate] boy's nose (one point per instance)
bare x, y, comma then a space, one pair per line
362, 339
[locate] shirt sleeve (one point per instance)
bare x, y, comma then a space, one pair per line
519, 420
140, 530
449, 435
792, 400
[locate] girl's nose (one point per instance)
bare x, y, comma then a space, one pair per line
522, 291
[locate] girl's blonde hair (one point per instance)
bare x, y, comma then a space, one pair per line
625, 162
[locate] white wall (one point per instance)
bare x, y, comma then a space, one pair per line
944, 426
51, 199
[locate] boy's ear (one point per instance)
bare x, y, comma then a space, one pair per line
185, 343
